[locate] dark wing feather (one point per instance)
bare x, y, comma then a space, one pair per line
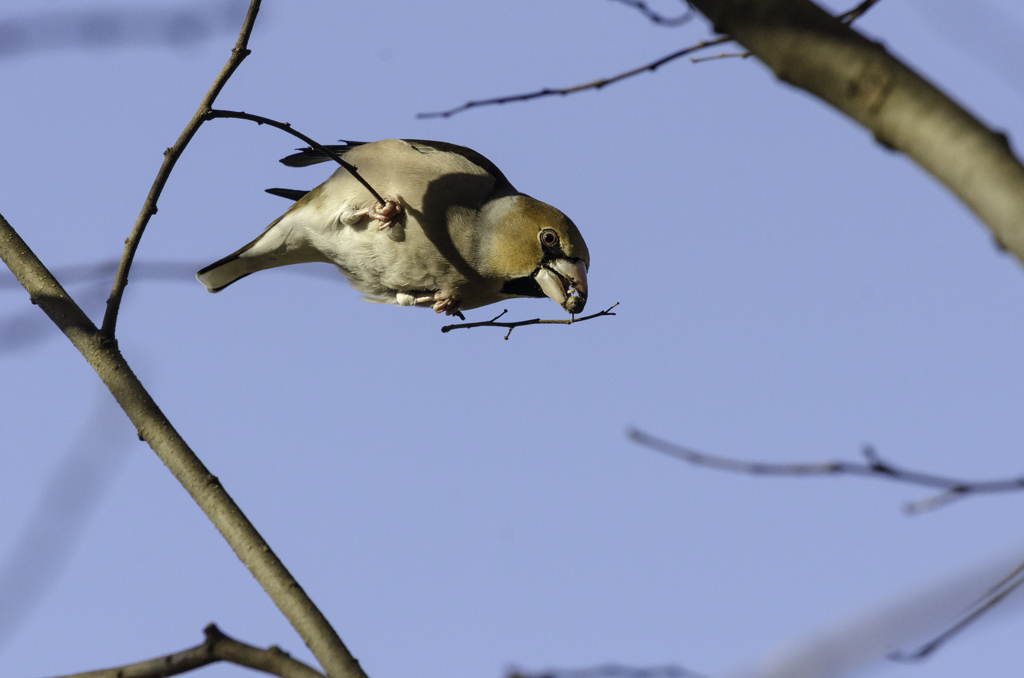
289, 193
310, 156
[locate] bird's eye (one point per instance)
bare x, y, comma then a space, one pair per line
548, 238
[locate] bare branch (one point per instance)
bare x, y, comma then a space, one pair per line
953, 488
658, 18
846, 18
596, 84
287, 127
153, 426
810, 49
520, 323
171, 155
217, 648
986, 602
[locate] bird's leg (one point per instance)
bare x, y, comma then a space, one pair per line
386, 215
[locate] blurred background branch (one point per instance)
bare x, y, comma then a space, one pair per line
110, 27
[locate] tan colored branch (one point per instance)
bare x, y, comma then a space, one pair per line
153, 427
810, 49
217, 648
171, 156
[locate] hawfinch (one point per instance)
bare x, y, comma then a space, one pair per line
454, 234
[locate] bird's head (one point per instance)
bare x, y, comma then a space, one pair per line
536, 250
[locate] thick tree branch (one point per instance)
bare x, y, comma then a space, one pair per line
171, 155
216, 648
153, 427
810, 49
852, 15
952, 488
493, 322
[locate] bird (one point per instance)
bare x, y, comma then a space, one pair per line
453, 233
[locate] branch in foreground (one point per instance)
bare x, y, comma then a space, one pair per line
493, 322
154, 427
217, 648
101, 352
596, 84
846, 18
952, 488
171, 156
658, 18
287, 127
810, 49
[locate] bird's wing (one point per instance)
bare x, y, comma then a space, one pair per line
430, 147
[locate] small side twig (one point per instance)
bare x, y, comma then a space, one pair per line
287, 127
596, 84
658, 18
216, 648
952, 488
847, 18
983, 604
493, 322
852, 15
171, 155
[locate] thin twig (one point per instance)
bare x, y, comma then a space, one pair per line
596, 84
171, 155
287, 127
520, 323
847, 18
657, 18
852, 15
986, 602
875, 467
216, 648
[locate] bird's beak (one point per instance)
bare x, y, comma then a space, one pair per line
566, 282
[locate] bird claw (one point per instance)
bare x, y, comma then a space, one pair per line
386, 214
447, 305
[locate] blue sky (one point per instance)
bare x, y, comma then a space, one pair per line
458, 504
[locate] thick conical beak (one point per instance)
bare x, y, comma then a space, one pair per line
566, 282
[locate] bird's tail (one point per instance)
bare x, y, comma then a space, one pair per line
271, 249
236, 266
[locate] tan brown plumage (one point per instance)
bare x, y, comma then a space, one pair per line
454, 234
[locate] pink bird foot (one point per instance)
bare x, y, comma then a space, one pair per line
447, 305
386, 214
